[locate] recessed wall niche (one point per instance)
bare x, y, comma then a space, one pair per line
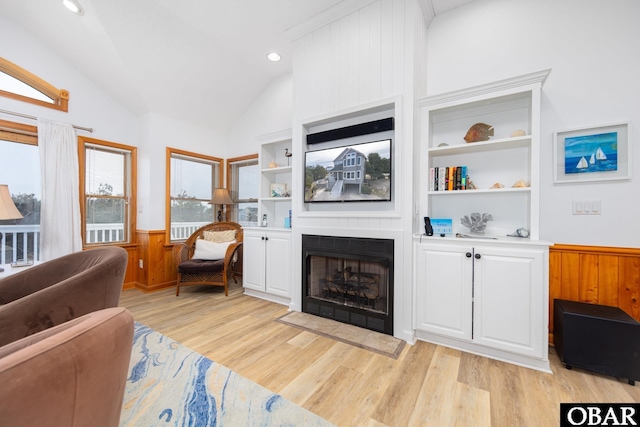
380, 115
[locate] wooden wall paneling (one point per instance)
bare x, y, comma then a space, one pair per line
170, 273
131, 275
156, 257
608, 279
570, 276
162, 273
588, 278
629, 286
555, 285
595, 274
143, 254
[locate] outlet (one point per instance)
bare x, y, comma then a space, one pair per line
140, 263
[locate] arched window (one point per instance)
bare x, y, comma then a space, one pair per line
18, 83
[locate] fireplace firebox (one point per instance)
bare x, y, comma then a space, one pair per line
349, 280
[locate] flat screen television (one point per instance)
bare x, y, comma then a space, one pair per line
351, 173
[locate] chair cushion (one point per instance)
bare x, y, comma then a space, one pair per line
210, 250
201, 266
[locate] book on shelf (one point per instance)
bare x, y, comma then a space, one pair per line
448, 178
432, 179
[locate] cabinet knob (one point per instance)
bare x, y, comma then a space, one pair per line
478, 256
262, 238
266, 238
468, 254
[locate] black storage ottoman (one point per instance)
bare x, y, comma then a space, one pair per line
597, 338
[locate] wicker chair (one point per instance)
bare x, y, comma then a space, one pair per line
207, 272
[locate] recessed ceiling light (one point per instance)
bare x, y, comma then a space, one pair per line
73, 6
273, 56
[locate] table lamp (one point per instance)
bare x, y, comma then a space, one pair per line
221, 197
8, 209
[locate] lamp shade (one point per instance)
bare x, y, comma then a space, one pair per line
8, 209
221, 197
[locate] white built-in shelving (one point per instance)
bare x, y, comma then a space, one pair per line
275, 168
487, 294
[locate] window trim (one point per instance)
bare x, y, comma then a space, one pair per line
249, 158
18, 132
83, 141
167, 210
60, 97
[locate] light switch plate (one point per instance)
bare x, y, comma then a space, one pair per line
578, 208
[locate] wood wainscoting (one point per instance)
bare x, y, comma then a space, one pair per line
131, 275
595, 274
158, 270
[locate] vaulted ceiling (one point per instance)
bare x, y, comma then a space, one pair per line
192, 60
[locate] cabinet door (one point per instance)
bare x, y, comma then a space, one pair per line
443, 294
253, 253
278, 264
509, 299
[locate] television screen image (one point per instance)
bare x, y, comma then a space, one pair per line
352, 173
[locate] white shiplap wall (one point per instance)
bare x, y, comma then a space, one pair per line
352, 60
359, 58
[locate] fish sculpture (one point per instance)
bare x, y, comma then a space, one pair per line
479, 132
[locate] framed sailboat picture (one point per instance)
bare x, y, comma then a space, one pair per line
599, 153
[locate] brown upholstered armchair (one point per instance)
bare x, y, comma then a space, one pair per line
73, 374
208, 255
56, 291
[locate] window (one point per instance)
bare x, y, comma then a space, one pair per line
351, 159
20, 238
18, 83
243, 178
107, 183
192, 179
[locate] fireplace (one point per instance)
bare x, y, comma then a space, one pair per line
349, 280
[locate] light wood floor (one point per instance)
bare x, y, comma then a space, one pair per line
428, 385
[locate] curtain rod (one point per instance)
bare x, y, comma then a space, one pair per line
26, 116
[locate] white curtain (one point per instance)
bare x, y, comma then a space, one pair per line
60, 225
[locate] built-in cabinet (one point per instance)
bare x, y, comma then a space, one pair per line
267, 248
486, 292
267, 264
484, 298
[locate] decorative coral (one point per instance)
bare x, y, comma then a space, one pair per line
477, 223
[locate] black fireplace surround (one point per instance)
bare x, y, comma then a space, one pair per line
349, 279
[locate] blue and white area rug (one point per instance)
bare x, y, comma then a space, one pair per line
171, 385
